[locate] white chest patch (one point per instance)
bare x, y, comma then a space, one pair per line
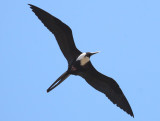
83, 59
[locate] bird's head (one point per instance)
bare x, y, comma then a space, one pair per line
89, 54
84, 58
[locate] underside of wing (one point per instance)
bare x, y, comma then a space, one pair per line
106, 85
62, 32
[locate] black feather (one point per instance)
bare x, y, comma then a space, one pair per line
61, 31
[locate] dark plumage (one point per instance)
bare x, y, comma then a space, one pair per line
79, 63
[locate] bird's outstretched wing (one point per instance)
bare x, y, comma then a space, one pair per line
62, 32
106, 85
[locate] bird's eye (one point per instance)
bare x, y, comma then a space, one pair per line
87, 55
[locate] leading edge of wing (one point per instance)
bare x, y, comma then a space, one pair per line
61, 31
106, 85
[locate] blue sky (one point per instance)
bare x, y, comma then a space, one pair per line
126, 32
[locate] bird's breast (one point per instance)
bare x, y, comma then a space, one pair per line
84, 61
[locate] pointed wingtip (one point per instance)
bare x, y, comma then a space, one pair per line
31, 6
132, 115
130, 112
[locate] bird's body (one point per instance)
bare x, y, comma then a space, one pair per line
79, 63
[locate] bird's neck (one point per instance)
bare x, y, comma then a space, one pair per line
83, 59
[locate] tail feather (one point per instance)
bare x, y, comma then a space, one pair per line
58, 81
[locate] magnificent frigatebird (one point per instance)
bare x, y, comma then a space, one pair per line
79, 63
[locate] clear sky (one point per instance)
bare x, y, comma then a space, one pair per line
127, 32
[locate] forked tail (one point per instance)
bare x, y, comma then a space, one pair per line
58, 81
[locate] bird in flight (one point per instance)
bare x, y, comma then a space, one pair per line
79, 62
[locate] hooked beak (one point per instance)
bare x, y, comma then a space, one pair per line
92, 53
